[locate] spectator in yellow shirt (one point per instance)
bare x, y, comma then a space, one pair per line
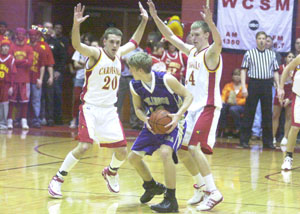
233, 103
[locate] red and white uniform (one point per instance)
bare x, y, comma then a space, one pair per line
174, 64
287, 86
98, 118
204, 112
296, 99
23, 59
7, 68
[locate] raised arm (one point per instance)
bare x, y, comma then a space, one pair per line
213, 53
138, 34
91, 52
167, 32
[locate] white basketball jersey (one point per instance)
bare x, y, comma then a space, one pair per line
101, 81
203, 83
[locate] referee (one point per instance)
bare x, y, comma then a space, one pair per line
262, 68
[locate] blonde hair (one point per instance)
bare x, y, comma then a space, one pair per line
200, 24
141, 60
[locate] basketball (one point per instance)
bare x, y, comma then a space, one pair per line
158, 119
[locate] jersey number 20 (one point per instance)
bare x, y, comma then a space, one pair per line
113, 83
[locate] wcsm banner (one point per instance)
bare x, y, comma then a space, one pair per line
239, 20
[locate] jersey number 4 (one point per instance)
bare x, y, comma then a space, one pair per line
113, 83
192, 78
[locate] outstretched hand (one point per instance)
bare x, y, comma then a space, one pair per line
78, 14
206, 15
144, 13
152, 9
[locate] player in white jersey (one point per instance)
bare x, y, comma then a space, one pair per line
98, 118
295, 126
203, 76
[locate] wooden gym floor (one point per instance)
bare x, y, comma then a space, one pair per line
250, 179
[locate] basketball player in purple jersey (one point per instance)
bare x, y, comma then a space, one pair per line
98, 118
151, 91
203, 77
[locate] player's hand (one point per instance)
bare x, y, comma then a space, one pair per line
152, 8
144, 13
280, 93
173, 123
206, 15
245, 92
148, 126
38, 83
78, 14
10, 91
50, 81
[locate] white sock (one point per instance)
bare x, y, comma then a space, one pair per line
198, 179
69, 162
210, 184
115, 163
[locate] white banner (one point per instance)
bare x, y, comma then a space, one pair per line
239, 20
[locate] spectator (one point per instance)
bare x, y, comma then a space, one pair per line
152, 38
3, 29
95, 43
262, 67
59, 54
297, 47
37, 71
286, 104
7, 68
23, 54
233, 103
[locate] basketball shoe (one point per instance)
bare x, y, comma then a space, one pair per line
112, 180
54, 188
150, 192
287, 163
198, 194
24, 123
168, 205
211, 199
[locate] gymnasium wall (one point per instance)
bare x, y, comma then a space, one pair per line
190, 12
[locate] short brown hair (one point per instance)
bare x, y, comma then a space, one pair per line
112, 30
260, 33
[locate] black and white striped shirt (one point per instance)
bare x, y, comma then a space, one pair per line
260, 64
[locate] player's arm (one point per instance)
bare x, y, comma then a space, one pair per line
138, 34
180, 90
290, 67
212, 56
167, 32
92, 52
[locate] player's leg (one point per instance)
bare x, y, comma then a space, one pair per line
287, 124
292, 138
171, 144
85, 136
70, 161
169, 204
151, 187
110, 133
275, 119
199, 184
188, 160
145, 144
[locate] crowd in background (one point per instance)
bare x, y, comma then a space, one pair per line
33, 63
